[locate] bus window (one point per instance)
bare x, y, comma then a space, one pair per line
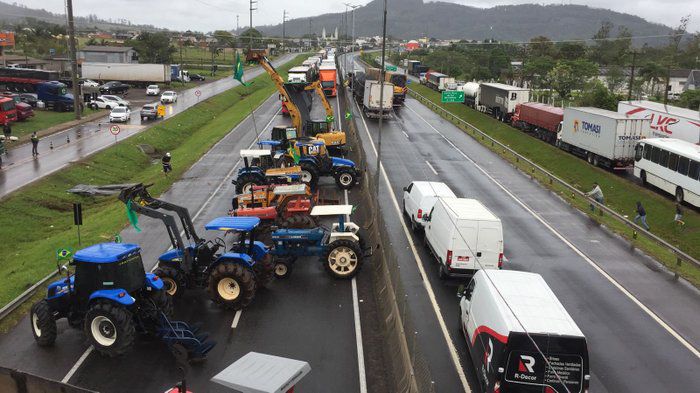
663, 158
683, 165
638, 152
694, 170
655, 153
647, 152
673, 161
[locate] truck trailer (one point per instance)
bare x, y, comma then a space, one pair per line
328, 76
395, 78
602, 137
541, 120
44, 84
371, 104
500, 100
440, 82
667, 121
135, 74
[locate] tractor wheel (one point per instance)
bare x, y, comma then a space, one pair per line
298, 222
173, 280
231, 286
286, 161
264, 271
110, 328
264, 235
246, 181
283, 267
345, 178
163, 302
43, 324
342, 259
309, 174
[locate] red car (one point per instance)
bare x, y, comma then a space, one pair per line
24, 111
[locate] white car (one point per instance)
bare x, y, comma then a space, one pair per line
152, 90
168, 97
120, 101
120, 114
90, 83
420, 197
102, 103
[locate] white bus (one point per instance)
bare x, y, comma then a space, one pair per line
671, 165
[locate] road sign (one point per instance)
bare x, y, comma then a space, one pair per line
452, 96
197, 93
390, 68
114, 130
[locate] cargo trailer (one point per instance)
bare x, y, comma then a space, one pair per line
667, 121
500, 100
541, 120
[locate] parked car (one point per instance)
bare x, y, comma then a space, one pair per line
24, 111
197, 77
89, 83
149, 111
117, 99
29, 98
103, 103
420, 197
114, 87
120, 114
168, 97
152, 90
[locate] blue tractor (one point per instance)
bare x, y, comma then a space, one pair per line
231, 276
260, 168
111, 298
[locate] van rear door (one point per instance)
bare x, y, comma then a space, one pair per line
489, 244
463, 242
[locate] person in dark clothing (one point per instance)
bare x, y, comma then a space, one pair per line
7, 131
641, 215
678, 218
166, 163
35, 145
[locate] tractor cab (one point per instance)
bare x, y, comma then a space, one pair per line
257, 158
342, 229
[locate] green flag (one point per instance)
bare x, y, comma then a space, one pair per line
131, 215
238, 73
348, 115
292, 152
64, 254
330, 118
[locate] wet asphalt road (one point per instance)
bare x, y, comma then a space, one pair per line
20, 168
630, 351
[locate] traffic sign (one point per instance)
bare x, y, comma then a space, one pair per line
114, 130
390, 68
452, 96
197, 93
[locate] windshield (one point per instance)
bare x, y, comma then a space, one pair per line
8, 106
328, 84
120, 109
152, 87
168, 93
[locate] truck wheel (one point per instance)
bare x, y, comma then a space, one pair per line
231, 286
596, 161
309, 174
173, 280
246, 181
643, 178
284, 267
264, 271
43, 324
441, 271
589, 158
110, 328
342, 259
679, 195
345, 178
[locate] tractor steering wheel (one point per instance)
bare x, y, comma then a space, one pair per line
220, 242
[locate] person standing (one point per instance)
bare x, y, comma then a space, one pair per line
641, 215
166, 163
597, 194
7, 131
35, 144
678, 218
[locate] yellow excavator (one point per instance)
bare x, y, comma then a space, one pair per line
291, 94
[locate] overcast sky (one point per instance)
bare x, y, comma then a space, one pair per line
208, 15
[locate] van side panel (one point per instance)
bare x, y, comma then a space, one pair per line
464, 238
438, 232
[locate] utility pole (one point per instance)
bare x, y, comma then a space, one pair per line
238, 29
381, 101
284, 31
73, 59
252, 8
634, 59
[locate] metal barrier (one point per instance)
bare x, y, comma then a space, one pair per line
679, 254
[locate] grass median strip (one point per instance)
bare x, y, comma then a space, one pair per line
38, 218
620, 194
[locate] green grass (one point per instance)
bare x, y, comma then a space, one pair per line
38, 218
620, 194
41, 120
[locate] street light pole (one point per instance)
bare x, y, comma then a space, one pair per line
284, 31
252, 8
352, 45
73, 59
381, 101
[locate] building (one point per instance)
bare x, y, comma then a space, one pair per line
693, 82
107, 54
24, 62
412, 45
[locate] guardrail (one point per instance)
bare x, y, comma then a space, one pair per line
16, 302
679, 254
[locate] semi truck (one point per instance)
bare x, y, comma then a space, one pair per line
415, 68
299, 74
8, 111
178, 74
328, 76
666, 121
439, 81
395, 78
44, 84
471, 93
371, 104
602, 137
541, 120
135, 74
500, 100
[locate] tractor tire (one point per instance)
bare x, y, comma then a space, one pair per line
247, 180
285, 161
231, 286
110, 328
43, 324
173, 280
309, 174
264, 271
264, 235
342, 259
163, 302
298, 222
345, 178
283, 267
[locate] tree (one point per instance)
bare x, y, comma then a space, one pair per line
572, 51
225, 38
153, 47
615, 78
541, 46
536, 70
652, 73
690, 99
598, 96
568, 76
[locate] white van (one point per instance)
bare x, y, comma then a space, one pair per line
420, 197
501, 313
465, 236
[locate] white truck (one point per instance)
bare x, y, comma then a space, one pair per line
520, 337
500, 100
299, 74
371, 105
464, 236
667, 121
136, 74
471, 93
602, 137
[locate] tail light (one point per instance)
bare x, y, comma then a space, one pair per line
420, 213
449, 257
500, 260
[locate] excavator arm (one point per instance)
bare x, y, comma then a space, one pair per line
316, 86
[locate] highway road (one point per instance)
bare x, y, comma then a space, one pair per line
640, 323
308, 316
20, 168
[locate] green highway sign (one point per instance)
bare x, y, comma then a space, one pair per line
452, 96
390, 68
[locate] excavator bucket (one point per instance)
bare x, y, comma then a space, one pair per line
255, 55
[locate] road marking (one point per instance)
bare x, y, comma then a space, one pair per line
431, 167
428, 287
405, 134
77, 364
236, 318
619, 286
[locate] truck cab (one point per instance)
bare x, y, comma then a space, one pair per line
55, 95
8, 110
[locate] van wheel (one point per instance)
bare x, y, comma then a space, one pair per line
413, 224
442, 274
589, 158
595, 160
679, 195
643, 178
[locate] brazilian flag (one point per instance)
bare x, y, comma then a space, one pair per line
238, 73
293, 152
64, 254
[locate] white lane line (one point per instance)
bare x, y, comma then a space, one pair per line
454, 356
405, 134
236, 318
431, 167
87, 352
619, 286
77, 364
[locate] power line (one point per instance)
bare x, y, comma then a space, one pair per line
581, 40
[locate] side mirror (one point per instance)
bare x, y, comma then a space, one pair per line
426, 217
405, 188
460, 291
